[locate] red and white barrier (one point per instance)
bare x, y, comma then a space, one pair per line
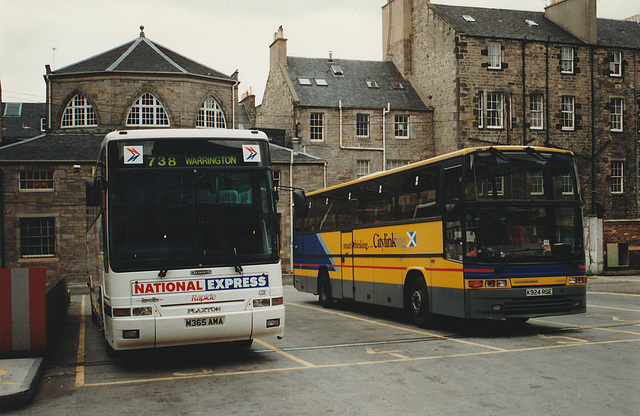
23, 309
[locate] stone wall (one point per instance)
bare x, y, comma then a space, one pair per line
65, 203
113, 95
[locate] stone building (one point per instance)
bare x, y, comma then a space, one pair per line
561, 78
140, 84
358, 116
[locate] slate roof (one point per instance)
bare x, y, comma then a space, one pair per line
144, 56
511, 24
26, 124
55, 147
351, 87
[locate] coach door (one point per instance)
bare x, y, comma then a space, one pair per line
346, 266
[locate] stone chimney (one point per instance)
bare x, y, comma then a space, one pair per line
578, 17
396, 34
278, 49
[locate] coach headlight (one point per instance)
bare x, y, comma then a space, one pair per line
144, 311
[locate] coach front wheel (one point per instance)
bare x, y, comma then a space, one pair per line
419, 303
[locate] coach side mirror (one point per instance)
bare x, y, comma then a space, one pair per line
301, 207
93, 192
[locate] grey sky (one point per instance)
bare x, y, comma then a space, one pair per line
226, 35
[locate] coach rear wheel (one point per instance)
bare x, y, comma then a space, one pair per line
419, 303
324, 290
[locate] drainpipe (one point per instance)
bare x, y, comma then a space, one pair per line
385, 111
635, 147
291, 214
234, 101
524, 93
376, 149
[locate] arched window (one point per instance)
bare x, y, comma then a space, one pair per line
147, 111
79, 113
211, 115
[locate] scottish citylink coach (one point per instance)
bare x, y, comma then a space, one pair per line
183, 238
491, 232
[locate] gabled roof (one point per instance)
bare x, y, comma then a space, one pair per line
55, 147
512, 24
350, 85
141, 55
25, 124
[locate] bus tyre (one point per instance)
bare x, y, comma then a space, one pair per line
324, 290
419, 303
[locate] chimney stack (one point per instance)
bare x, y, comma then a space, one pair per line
578, 17
278, 49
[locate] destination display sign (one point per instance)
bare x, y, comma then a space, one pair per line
188, 153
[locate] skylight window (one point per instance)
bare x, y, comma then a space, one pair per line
13, 109
372, 84
304, 81
337, 70
468, 18
396, 85
531, 23
321, 82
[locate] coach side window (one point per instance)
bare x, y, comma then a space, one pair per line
452, 212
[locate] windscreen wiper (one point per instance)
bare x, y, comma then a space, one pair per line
512, 253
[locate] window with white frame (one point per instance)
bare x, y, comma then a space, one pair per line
35, 180
362, 168
486, 187
396, 163
495, 110
537, 184
37, 237
362, 125
568, 112
536, 108
616, 108
615, 64
401, 127
316, 126
211, 115
617, 177
494, 52
567, 185
79, 113
481, 109
147, 111
566, 60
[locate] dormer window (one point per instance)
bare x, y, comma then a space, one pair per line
12, 109
337, 70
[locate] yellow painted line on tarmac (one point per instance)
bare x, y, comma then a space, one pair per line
612, 293
401, 328
354, 364
80, 356
284, 354
612, 307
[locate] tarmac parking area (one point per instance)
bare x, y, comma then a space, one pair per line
359, 360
